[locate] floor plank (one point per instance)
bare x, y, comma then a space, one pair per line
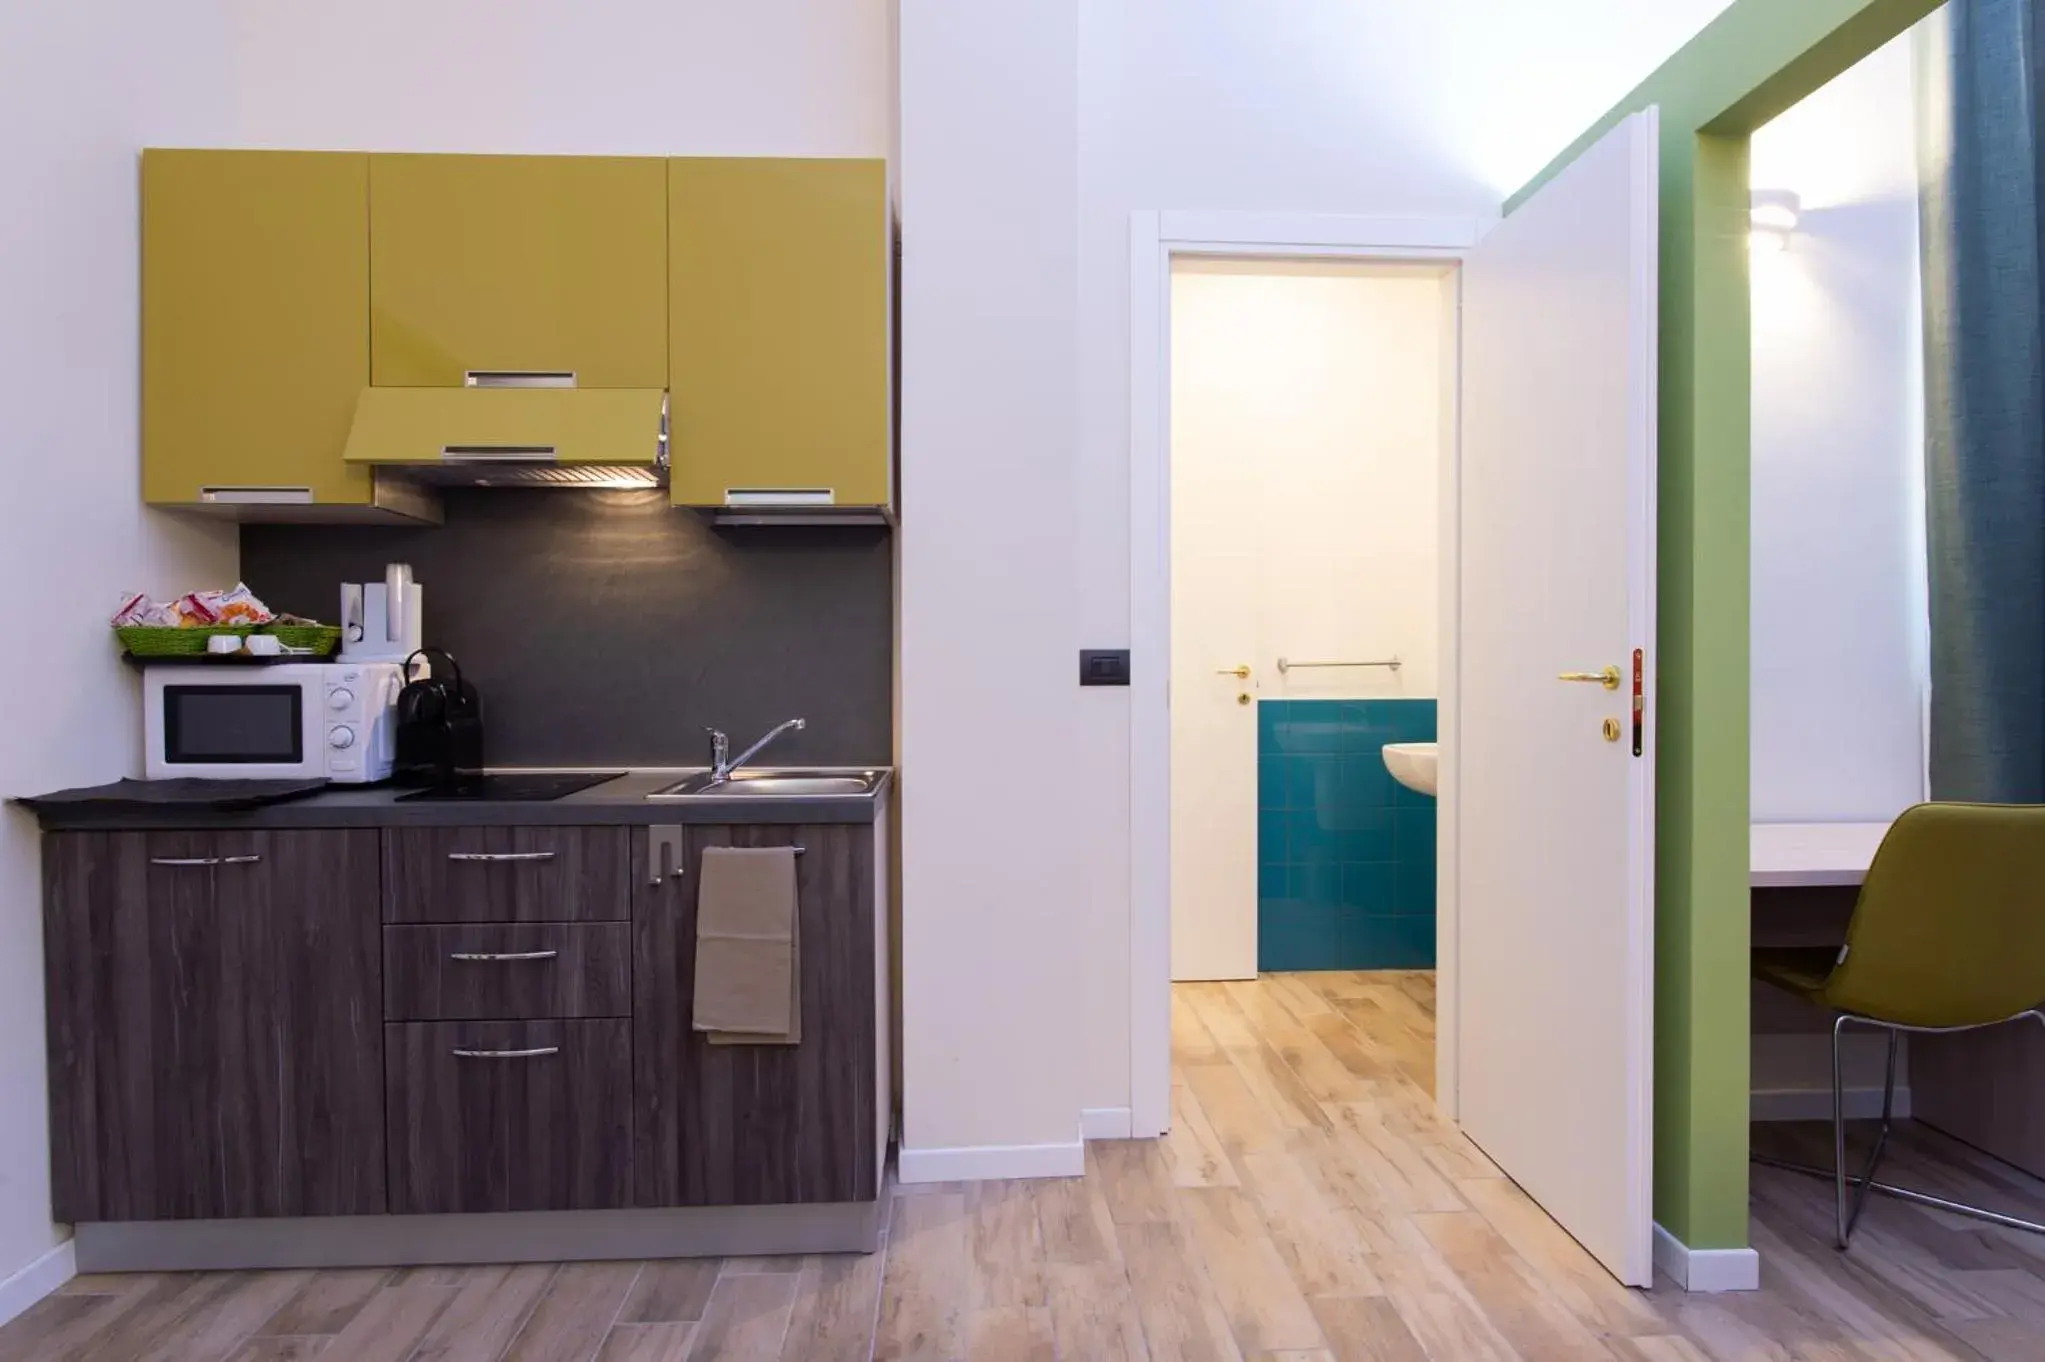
278, 1348
1515, 1302
392, 1325
1197, 1156
1135, 1180
1265, 1309
747, 1318
227, 1310
1010, 1333
574, 1313
1093, 1313
327, 1302
836, 1304
489, 1306
647, 1343
1366, 1327
927, 1279
1008, 1249
1182, 1317
669, 1291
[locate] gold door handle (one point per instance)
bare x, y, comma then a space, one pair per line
1241, 673
1608, 678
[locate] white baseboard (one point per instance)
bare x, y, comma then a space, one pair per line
1105, 1123
1705, 1270
1815, 1104
985, 1163
37, 1280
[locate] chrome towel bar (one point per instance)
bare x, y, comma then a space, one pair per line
1286, 664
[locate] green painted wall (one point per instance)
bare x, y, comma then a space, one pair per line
1754, 61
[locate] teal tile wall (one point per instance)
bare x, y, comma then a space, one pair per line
1345, 854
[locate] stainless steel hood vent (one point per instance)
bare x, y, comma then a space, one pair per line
497, 468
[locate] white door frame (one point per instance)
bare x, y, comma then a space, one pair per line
1156, 237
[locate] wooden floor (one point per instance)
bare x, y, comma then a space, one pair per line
1309, 1205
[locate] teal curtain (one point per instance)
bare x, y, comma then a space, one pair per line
1978, 69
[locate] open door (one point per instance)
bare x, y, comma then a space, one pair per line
1554, 773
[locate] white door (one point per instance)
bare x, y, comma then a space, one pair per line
1555, 858
1215, 587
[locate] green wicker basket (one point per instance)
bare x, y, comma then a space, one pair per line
155, 640
322, 639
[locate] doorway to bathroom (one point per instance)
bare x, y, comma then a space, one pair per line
1542, 997
1311, 405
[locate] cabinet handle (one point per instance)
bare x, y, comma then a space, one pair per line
503, 955
500, 855
537, 1053
518, 378
204, 860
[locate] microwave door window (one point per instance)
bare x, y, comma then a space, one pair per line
233, 725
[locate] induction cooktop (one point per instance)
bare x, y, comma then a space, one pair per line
533, 788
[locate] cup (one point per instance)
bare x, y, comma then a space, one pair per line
224, 643
264, 645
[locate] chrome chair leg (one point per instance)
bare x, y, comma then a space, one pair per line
1844, 1218
1838, 1140
1866, 1182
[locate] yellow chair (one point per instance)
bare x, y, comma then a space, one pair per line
1948, 935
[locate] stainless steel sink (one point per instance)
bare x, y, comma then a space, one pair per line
773, 783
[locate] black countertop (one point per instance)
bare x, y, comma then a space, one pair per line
622, 800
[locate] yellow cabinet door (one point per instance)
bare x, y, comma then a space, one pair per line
255, 323
778, 342
518, 264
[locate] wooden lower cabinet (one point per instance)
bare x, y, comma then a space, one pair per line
215, 1033
758, 1125
510, 1116
250, 1023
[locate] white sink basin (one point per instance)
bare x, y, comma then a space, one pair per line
1412, 764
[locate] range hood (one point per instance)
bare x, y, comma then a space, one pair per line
526, 433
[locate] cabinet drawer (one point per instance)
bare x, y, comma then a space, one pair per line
505, 875
483, 972
509, 1116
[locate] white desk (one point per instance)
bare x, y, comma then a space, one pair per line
1790, 855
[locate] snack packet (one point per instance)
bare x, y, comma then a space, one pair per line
138, 609
239, 606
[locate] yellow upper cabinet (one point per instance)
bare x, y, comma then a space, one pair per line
255, 324
778, 342
518, 263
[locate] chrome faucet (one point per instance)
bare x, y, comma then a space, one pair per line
723, 764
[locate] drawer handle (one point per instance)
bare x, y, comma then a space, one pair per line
500, 855
204, 860
503, 955
537, 1053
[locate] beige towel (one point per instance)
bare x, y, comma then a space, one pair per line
748, 964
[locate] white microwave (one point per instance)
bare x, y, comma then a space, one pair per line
289, 720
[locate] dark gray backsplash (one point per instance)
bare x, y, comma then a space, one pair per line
605, 628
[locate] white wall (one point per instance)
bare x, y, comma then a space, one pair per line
1839, 567
991, 718
627, 77
1414, 107
1321, 385
74, 106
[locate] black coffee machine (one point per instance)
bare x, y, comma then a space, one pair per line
440, 724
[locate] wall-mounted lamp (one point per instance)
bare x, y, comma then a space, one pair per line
1775, 213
